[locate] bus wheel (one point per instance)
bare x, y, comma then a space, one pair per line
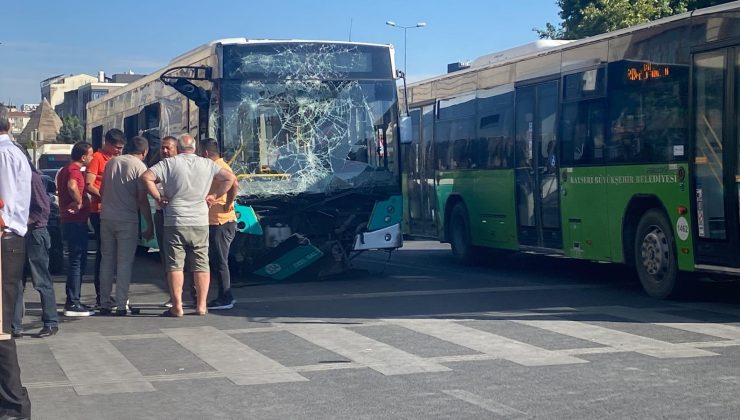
462, 249
655, 255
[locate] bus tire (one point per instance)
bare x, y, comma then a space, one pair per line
655, 255
462, 247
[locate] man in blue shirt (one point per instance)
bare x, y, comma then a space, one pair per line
15, 192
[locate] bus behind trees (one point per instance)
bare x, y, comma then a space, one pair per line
310, 129
619, 148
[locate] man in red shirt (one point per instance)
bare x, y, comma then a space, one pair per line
74, 209
113, 146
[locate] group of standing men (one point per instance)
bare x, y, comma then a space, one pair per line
195, 220
190, 191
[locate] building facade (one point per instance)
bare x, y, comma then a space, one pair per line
53, 88
75, 100
18, 121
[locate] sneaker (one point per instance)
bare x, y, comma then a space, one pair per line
47, 331
221, 303
77, 310
105, 312
121, 312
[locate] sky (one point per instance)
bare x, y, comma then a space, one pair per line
42, 38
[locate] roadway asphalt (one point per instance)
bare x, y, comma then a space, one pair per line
413, 337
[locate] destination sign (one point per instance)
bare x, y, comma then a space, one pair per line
648, 71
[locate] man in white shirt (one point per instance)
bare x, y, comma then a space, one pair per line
190, 184
15, 192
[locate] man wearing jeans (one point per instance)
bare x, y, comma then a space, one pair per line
15, 197
123, 197
74, 209
38, 243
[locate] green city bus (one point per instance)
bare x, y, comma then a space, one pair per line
621, 147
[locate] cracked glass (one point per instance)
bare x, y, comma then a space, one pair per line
309, 118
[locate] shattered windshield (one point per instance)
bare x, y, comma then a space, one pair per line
308, 135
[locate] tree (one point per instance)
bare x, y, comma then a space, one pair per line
71, 131
582, 18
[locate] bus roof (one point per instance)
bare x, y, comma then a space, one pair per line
245, 41
58, 148
536, 48
205, 50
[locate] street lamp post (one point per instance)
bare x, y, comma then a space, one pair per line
405, 28
395, 25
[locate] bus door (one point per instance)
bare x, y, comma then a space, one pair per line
537, 182
420, 164
716, 156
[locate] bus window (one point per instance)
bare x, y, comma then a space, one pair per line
648, 107
582, 139
97, 137
495, 131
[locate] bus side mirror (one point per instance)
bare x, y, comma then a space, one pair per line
405, 127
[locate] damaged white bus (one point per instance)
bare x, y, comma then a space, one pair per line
310, 129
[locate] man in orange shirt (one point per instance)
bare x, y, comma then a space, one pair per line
113, 146
222, 229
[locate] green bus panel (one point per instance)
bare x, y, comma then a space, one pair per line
495, 219
663, 182
584, 213
386, 213
489, 198
594, 201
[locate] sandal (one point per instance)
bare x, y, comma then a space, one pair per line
201, 313
169, 314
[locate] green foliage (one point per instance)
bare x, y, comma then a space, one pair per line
71, 131
583, 18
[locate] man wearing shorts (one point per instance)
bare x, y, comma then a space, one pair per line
186, 181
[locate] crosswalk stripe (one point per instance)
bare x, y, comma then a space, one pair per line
617, 339
365, 351
485, 342
238, 362
95, 366
728, 332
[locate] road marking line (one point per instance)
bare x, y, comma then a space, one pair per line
485, 342
710, 344
89, 358
484, 403
617, 339
189, 376
728, 332
350, 296
365, 351
462, 358
238, 362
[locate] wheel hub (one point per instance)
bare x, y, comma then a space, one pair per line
655, 252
